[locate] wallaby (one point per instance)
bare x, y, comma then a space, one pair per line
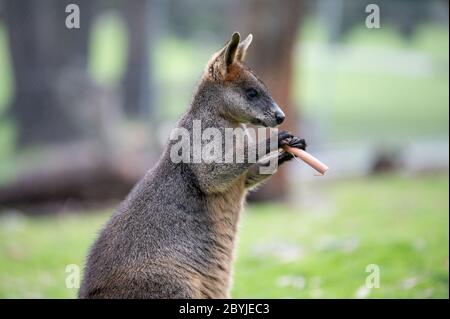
174, 235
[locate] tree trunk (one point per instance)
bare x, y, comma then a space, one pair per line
274, 25
76, 174
49, 63
136, 84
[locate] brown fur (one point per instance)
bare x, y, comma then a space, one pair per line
225, 212
235, 71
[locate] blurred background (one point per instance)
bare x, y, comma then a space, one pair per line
85, 112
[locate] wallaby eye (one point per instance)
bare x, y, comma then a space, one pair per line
251, 93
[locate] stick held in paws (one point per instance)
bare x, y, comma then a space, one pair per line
307, 158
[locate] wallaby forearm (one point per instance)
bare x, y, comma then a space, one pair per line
218, 176
256, 173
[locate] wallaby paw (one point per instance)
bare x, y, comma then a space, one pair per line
284, 137
296, 142
284, 156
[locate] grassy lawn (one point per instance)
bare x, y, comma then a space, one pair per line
397, 223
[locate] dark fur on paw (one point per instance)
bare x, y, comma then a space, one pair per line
284, 137
292, 142
297, 143
284, 157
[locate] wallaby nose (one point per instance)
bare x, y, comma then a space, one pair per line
279, 117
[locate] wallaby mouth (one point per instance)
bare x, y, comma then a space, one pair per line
259, 122
270, 122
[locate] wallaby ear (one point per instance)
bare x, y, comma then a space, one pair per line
220, 61
242, 48
231, 48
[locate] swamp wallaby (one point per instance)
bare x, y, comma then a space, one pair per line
174, 235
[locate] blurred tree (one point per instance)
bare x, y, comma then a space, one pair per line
136, 82
55, 102
275, 26
194, 17
50, 64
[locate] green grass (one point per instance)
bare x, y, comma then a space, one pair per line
397, 223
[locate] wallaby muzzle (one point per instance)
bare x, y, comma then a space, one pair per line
273, 117
278, 113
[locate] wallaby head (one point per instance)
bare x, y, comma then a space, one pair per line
243, 98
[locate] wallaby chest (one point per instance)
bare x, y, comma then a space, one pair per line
224, 209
